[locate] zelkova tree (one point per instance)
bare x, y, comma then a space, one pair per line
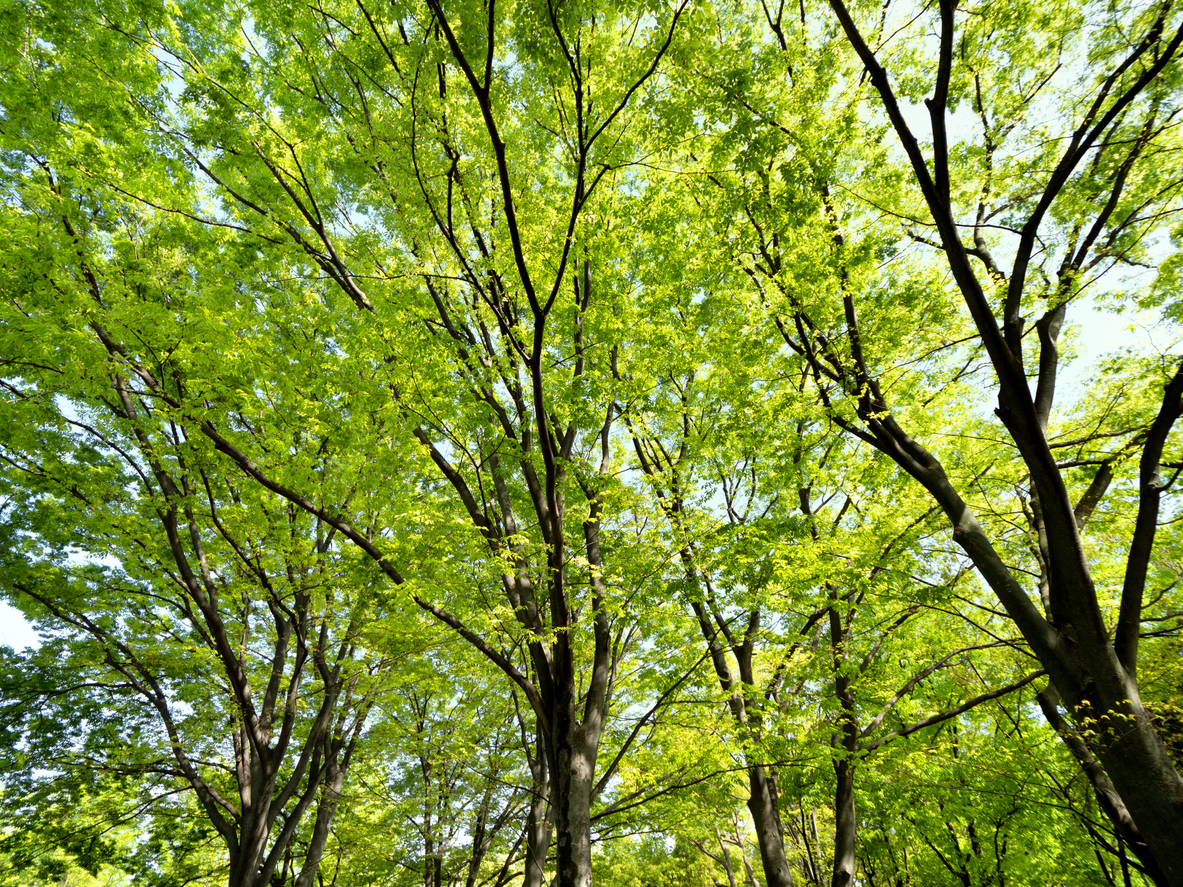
800, 582
133, 686
1049, 160
371, 279
454, 177
219, 624
788, 558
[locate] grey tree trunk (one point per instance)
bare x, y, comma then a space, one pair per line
725, 858
846, 745
573, 783
539, 825
769, 832
325, 810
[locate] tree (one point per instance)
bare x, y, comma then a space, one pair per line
1063, 209
200, 634
502, 382
375, 280
786, 562
220, 653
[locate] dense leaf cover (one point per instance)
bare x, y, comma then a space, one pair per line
566, 441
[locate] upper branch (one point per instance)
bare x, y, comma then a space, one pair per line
1149, 496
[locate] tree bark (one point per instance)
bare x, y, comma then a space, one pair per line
573, 783
725, 858
1137, 762
539, 822
769, 831
325, 811
845, 824
1108, 799
845, 744
1083, 666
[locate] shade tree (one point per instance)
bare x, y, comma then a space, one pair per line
366, 263
214, 635
1026, 224
489, 333
793, 576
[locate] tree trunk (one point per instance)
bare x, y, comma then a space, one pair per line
845, 743
769, 831
762, 800
325, 810
1107, 796
572, 785
539, 824
726, 859
246, 866
428, 821
845, 824
1137, 762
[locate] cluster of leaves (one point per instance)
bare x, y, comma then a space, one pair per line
432, 428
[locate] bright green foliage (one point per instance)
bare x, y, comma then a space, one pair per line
649, 862
643, 353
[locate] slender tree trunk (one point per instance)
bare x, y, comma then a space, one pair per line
845, 742
845, 824
769, 832
763, 797
539, 824
325, 810
726, 859
428, 821
749, 875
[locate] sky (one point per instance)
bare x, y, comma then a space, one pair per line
14, 630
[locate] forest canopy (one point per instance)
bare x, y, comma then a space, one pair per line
561, 442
